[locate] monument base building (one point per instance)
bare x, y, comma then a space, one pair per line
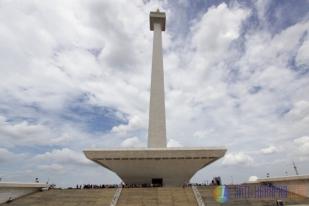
163, 166
156, 164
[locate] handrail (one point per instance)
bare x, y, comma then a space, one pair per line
197, 196
116, 196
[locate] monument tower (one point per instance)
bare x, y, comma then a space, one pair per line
156, 164
157, 130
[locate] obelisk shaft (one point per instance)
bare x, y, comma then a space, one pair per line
157, 128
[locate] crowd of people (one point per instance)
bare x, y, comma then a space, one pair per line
94, 186
215, 181
141, 185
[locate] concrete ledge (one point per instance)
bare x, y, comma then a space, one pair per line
155, 153
295, 184
283, 178
22, 185
13, 190
155, 149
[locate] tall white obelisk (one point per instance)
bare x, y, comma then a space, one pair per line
157, 128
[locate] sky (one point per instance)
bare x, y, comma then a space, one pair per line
75, 75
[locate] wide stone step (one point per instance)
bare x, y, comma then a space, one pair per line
157, 197
73, 197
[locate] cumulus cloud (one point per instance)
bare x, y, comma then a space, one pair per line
239, 158
173, 143
302, 144
269, 150
8, 156
135, 123
132, 142
202, 134
51, 167
30, 134
252, 178
300, 110
225, 24
302, 58
64, 156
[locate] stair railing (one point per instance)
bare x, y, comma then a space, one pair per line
198, 196
116, 196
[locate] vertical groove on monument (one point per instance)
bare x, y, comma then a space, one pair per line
157, 127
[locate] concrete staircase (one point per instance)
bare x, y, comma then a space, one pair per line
159, 196
67, 197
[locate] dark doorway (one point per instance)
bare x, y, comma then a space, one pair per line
157, 182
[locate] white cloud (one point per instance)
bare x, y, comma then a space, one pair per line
203, 134
76, 55
302, 144
25, 133
173, 143
261, 7
52, 167
253, 178
269, 150
8, 156
63, 156
300, 110
132, 142
135, 123
238, 158
216, 30
302, 58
